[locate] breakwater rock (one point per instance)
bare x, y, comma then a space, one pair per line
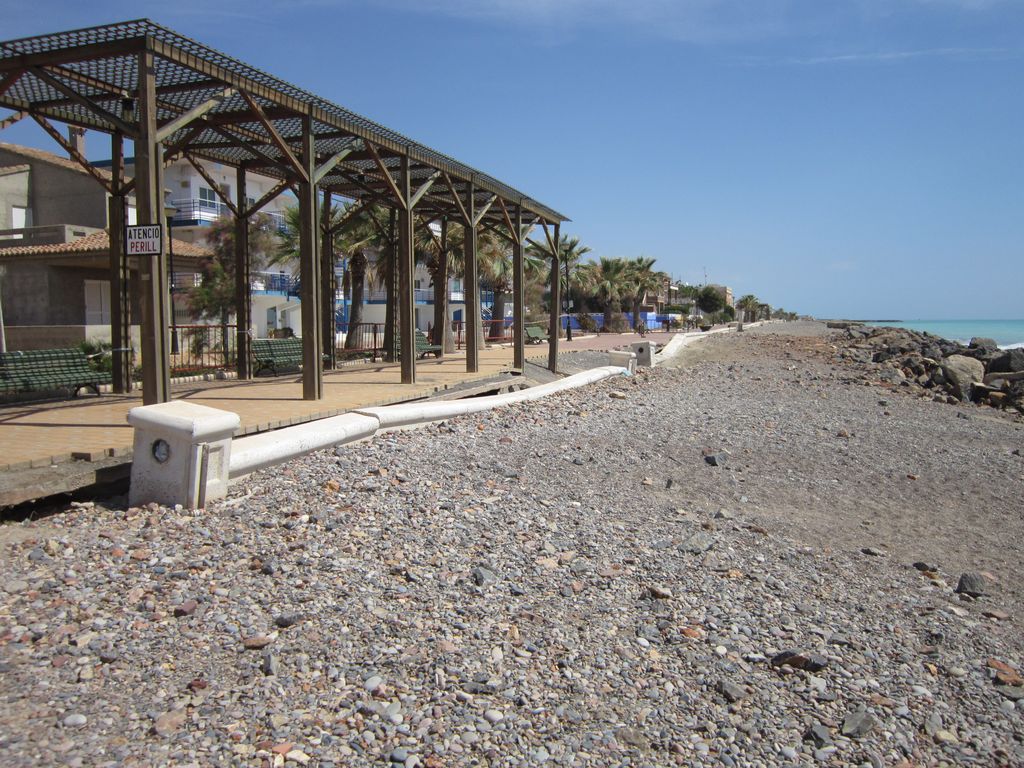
979, 372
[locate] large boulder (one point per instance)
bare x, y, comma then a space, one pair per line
960, 373
1009, 361
981, 342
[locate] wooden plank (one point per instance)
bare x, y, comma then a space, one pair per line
213, 184
277, 190
276, 138
483, 211
455, 196
424, 188
402, 202
328, 165
74, 153
75, 96
169, 128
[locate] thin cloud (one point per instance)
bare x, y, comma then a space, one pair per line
883, 57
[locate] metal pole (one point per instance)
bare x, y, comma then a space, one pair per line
472, 286
518, 296
243, 313
555, 326
120, 305
156, 383
568, 318
170, 270
309, 272
406, 295
329, 287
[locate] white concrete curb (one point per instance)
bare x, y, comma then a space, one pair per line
174, 464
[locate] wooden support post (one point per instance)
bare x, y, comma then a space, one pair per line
328, 282
471, 285
243, 287
149, 167
120, 302
309, 272
406, 273
556, 306
518, 295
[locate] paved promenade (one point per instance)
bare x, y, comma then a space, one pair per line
38, 434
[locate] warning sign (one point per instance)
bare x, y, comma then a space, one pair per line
144, 240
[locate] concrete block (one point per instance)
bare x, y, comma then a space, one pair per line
623, 359
644, 353
181, 454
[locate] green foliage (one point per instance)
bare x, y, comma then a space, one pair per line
102, 361
214, 297
587, 322
709, 300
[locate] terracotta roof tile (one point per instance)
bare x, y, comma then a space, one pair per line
48, 157
97, 242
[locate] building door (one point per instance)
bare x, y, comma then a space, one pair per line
97, 302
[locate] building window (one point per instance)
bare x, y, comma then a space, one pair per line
207, 198
20, 218
97, 302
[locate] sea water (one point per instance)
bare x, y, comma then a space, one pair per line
1006, 333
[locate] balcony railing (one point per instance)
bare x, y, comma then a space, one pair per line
193, 211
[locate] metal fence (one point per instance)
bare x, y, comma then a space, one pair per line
202, 348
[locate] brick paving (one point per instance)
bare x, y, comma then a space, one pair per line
43, 433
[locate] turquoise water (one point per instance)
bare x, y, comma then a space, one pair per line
1007, 333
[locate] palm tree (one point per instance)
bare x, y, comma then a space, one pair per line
749, 304
570, 251
441, 254
353, 240
642, 280
607, 280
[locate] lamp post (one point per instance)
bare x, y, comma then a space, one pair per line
568, 305
169, 212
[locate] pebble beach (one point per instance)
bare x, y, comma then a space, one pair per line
757, 554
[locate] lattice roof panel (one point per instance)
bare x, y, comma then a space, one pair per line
101, 64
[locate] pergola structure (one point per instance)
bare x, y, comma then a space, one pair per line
173, 97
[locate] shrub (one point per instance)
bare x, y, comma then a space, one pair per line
587, 322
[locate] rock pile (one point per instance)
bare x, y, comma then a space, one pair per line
980, 372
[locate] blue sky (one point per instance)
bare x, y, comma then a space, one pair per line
861, 158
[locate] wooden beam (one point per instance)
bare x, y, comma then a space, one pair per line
433, 235
213, 184
74, 153
81, 100
483, 211
248, 146
455, 196
535, 244
329, 164
116, 92
498, 231
7, 122
278, 141
73, 54
402, 203
508, 220
10, 79
551, 243
167, 129
424, 188
171, 153
277, 190
348, 216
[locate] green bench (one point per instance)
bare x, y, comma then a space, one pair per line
38, 370
536, 335
423, 346
273, 354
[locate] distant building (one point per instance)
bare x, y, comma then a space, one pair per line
725, 292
